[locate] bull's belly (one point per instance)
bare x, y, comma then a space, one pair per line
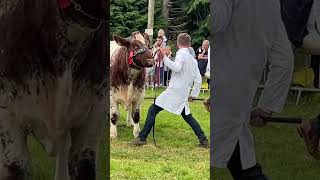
126, 95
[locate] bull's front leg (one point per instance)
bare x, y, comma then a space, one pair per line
85, 143
14, 160
129, 115
64, 143
114, 118
136, 119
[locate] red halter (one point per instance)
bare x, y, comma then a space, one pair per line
63, 3
130, 58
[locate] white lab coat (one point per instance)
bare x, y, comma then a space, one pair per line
246, 34
185, 73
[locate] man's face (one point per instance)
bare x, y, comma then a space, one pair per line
159, 42
205, 45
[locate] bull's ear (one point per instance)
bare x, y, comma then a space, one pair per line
121, 41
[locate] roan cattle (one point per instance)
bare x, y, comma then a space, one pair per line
53, 84
127, 79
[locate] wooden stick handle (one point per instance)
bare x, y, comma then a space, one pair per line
284, 120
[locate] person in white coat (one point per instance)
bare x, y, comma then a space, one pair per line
246, 34
174, 99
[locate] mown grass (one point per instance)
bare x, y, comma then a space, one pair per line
177, 155
279, 148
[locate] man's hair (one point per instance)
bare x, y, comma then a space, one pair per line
206, 41
160, 37
184, 39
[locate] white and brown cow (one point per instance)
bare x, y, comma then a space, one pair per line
127, 79
53, 84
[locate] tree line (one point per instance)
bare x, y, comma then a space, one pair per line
191, 16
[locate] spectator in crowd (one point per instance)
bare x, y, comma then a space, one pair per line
206, 103
313, 26
158, 78
162, 34
167, 71
150, 76
202, 57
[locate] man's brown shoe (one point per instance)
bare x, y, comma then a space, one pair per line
206, 104
204, 143
138, 142
311, 139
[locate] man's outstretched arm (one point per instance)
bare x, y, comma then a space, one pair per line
276, 89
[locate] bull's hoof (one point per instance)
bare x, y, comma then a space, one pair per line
113, 137
136, 132
113, 132
82, 165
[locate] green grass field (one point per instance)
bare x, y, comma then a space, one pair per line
43, 167
279, 148
177, 156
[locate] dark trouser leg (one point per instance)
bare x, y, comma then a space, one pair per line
165, 78
315, 61
235, 168
151, 118
234, 164
194, 125
315, 125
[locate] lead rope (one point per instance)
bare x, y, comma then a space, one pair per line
315, 24
154, 140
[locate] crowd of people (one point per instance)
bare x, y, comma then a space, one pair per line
159, 75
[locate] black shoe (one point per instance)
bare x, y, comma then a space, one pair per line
204, 143
254, 173
138, 142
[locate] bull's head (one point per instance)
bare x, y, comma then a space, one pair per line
139, 54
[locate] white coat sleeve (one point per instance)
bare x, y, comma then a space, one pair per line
276, 89
197, 82
175, 66
221, 12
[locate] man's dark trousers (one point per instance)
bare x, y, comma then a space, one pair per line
151, 117
235, 168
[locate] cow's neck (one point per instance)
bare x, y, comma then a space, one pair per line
134, 73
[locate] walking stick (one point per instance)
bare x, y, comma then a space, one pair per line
195, 99
284, 120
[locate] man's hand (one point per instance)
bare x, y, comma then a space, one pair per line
258, 117
202, 57
160, 54
190, 98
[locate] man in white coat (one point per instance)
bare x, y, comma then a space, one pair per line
246, 34
174, 99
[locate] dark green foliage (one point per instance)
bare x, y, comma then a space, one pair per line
198, 11
131, 15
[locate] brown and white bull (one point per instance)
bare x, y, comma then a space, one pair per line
127, 79
53, 84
